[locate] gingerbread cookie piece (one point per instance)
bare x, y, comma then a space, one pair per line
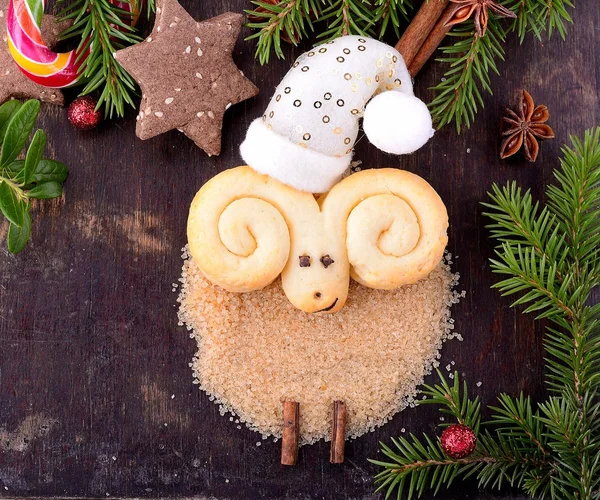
13, 83
187, 75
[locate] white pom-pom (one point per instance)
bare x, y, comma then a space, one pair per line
397, 123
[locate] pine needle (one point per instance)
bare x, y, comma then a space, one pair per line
298, 19
103, 28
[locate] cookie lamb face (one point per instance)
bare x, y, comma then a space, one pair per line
316, 275
385, 228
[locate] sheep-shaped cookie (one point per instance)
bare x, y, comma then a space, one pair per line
384, 228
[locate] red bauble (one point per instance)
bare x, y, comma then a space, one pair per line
458, 441
82, 113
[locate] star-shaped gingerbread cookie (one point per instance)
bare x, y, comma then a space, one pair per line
187, 75
13, 83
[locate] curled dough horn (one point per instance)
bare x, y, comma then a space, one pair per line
395, 226
237, 229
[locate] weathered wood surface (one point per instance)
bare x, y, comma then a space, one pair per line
96, 396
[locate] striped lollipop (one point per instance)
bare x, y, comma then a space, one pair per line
34, 58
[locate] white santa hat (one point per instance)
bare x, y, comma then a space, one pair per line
306, 136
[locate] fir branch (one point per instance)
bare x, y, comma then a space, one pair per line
539, 16
516, 418
515, 461
545, 294
292, 20
574, 348
103, 28
408, 471
449, 398
572, 212
471, 58
288, 18
391, 11
347, 17
414, 465
574, 201
549, 255
520, 222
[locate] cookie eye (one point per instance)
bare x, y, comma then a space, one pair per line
326, 260
304, 260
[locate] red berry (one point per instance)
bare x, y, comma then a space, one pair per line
458, 441
82, 113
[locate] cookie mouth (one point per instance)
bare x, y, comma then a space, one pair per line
328, 308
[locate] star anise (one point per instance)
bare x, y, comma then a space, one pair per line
464, 9
524, 128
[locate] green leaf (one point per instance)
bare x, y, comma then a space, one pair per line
45, 171
46, 191
14, 168
11, 206
19, 236
50, 170
19, 129
7, 111
34, 155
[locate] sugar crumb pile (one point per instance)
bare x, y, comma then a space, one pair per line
256, 350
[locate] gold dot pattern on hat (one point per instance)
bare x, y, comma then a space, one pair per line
319, 102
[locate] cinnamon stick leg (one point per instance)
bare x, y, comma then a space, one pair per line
419, 28
432, 42
291, 433
338, 433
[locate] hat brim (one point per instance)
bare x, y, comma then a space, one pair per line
300, 167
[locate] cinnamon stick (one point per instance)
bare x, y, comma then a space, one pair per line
338, 433
419, 28
435, 37
291, 433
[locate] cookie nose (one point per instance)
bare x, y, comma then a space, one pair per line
317, 295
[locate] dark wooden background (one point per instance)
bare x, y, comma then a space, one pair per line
96, 396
